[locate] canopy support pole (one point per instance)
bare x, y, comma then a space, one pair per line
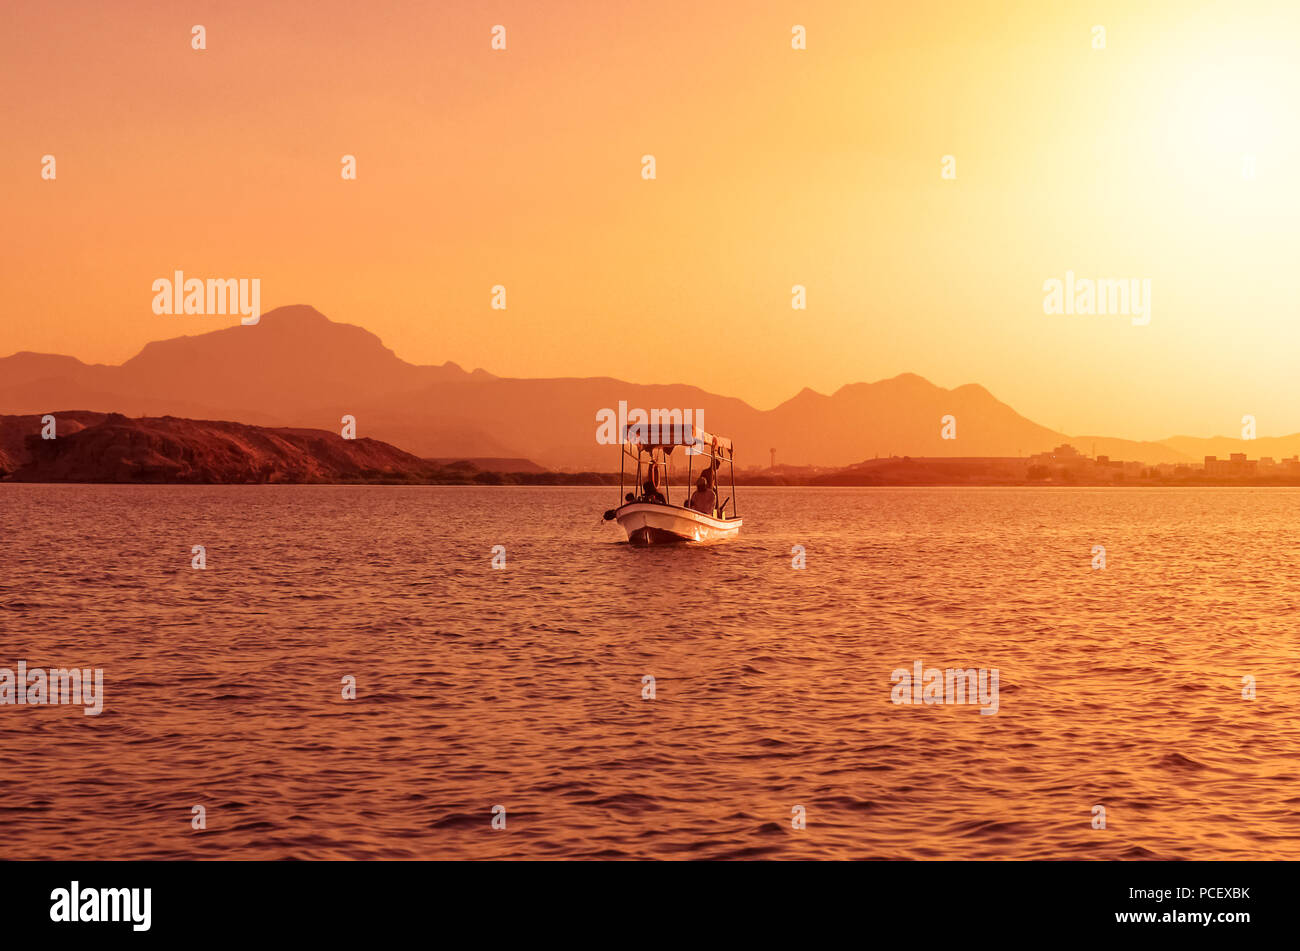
732, 460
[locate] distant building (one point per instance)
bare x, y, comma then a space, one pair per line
1236, 466
1062, 455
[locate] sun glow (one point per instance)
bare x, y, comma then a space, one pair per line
1225, 110
1170, 155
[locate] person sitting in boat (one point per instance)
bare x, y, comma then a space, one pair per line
704, 499
710, 474
650, 490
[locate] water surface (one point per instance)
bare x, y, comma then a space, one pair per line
522, 687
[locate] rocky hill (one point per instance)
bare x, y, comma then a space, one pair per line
108, 447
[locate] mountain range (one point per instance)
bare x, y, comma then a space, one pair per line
298, 369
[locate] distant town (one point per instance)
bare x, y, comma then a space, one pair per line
1063, 465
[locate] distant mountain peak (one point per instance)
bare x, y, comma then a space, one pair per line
297, 332
299, 312
903, 381
30, 358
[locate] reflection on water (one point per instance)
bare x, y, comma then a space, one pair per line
523, 687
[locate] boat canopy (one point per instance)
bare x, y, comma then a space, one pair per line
646, 437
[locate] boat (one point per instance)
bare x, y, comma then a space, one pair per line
648, 514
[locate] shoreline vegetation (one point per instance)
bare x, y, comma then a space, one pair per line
109, 448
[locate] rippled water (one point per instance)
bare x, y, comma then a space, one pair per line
523, 687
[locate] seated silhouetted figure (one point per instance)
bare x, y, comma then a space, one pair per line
650, 488
704, 499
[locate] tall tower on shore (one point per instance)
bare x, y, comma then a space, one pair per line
773, 452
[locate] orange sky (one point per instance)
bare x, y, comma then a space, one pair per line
775, 167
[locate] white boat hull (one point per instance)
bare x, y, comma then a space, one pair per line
648, 523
